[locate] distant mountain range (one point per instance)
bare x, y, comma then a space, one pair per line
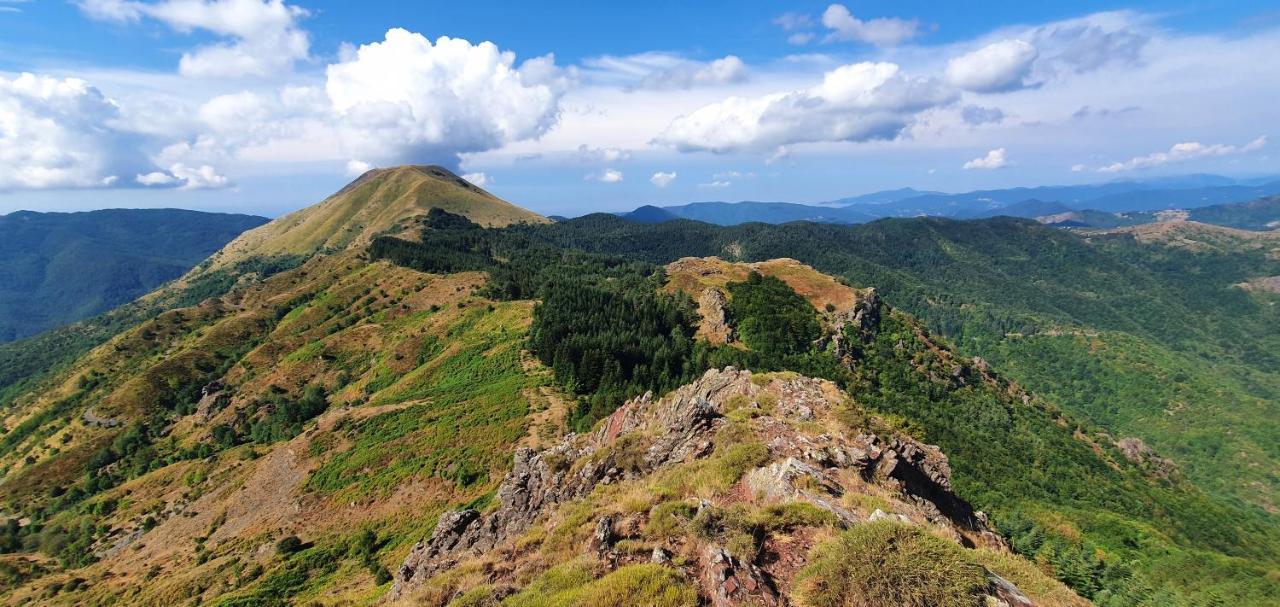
1181, 192
1261, 214
46, 259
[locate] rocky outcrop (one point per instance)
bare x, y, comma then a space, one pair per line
536, 482
212, 399
856, 326
1138, 453
733, 583
93, 420
645, 435
715, 320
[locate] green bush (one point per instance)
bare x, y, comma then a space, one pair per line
288, 545
888, 564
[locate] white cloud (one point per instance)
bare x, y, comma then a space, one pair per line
198, 178
725, 175
663, 179
62, 133
479, 180
857, 102
156, 178
262, 36
606, 176
657, 70
995, 159
406, 99
356, 168
889, 31
203, 177
715, 184
1182, 152
604, 155
1078, 168
997, 67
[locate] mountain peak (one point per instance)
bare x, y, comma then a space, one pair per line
381, 201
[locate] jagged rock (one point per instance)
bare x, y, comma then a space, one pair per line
733, 582
923, 472
862, 320
790, 480
645, 435
212, 399
659, 556
602, 539
715, 321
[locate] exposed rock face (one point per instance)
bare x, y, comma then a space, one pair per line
715, 321
732, 582
645, 435
212, 399
1267, 284
1139, 453
93, 420
862, 320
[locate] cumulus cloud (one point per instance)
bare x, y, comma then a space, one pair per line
261, 37
997, 67
995, 159
479, 180
1182, 152
203, 177
407, 99
889, 31
605, 176
856, 102
657, 70
587, 153
663, 179
62, 133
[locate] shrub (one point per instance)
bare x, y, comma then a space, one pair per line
888, 564
288, 545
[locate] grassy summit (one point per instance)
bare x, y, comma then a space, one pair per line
380, 201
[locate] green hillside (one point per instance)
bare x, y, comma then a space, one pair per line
453, 414
1176, 334
57, 268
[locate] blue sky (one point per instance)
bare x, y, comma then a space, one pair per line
565, 107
